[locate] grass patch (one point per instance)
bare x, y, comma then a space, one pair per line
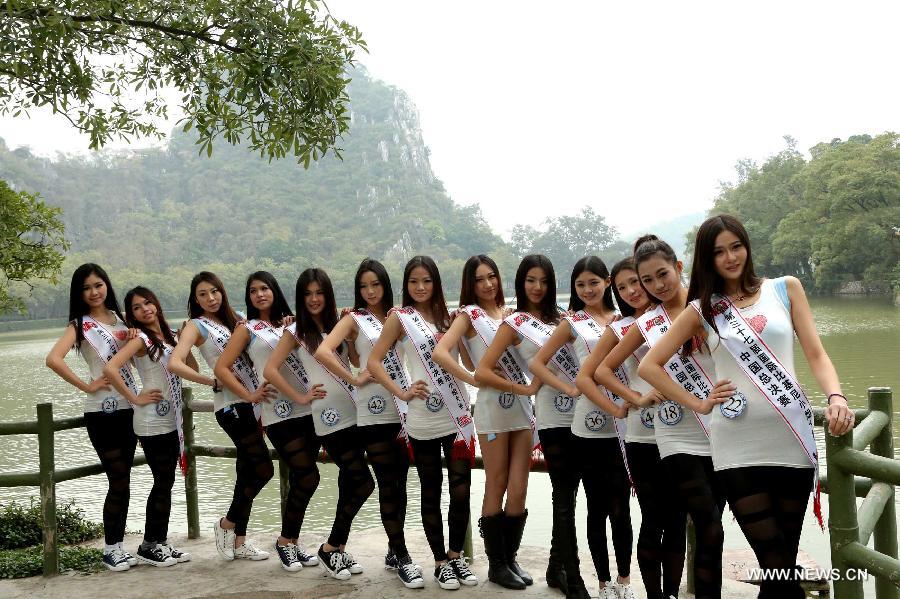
28, 561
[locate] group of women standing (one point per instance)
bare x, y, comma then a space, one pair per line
687, 395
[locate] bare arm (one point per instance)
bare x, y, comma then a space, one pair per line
454, 335
111, 372
585, 379
236, 345
839, 416
189, 337
272, 373
56, 361
487, 376
390, 334
325, 353
538, 364
605, 372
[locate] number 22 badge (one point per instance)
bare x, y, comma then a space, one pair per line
734, 406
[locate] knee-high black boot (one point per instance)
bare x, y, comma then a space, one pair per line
514, 528
568, 540
491, 528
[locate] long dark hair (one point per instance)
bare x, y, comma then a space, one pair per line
705, 281
280, 307
648, 246
467, 295
78, 308
598, 267
225, 314
625, 264
548, 308
156, 344
307, 329
378, 269
438, 304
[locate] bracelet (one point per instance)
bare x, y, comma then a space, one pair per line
215, 386
835, 395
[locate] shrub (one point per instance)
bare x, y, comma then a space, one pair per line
21, 563
20, 525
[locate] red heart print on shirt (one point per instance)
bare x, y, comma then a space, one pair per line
758, 323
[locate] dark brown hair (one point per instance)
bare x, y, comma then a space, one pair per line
548, 308
598, 267
78, 308
225, 314
307, 329
155, 350
626, 264
438, 303
467, 295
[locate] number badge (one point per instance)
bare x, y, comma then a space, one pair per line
376, 404
506, 400
434, 403
647, 417
670, 413
734, 406
163, 407
283, 408
109, 405
594, 420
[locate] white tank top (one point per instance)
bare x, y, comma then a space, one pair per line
426, 419
495, 411
211, 355
279, 408
552, 409
759, 436
103, 401
336, 411
589, 420
153, 418
376, 404
685, 436
641, 421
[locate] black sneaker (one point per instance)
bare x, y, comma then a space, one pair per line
306, 558
156, 556
116, 561
333, 562
288, 556
391, 561
351, 564
179, 555
446, 577
409, 573
462, 571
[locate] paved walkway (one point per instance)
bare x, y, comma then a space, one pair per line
209, 576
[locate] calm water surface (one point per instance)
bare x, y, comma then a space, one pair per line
862, 337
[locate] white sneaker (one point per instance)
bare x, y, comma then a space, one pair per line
249, 551
288, 556
224, 540
446, 577
333, 562
607, 592
351, 564
623, 591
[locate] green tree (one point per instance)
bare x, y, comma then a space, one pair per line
31, 241
269, 72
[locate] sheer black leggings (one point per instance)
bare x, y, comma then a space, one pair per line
355, 482
769, 503
390, 461
661, 541
161, 452
297, 445
253, 465
431, 478
697, 488
113, 438
607, 491
558, 447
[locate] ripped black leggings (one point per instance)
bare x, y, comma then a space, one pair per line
113, 438
297, 445
459, 472
253, 465
161, 452
661, 540
558, 447
769, 503
355, 482
389, 458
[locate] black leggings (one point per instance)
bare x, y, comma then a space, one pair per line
769, 503
161, 452
607, 490
661, 541
253, 465
698, 491
390, 460
113, 438
355, 482
431, 478
298, 447
558, 447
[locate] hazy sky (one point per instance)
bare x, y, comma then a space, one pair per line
638, 109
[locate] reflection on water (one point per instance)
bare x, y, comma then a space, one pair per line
862, 336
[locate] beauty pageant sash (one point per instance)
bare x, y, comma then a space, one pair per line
349, 389
104, 343
173, 384
538, 332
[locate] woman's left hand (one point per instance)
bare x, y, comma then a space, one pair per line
839, 416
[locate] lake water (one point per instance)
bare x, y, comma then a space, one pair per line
862, 337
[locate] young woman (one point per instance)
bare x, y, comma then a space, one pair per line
438, 417
763, 448
211, 325
681, 433
333, 403
157, 417
504, 421
288, 424
605, 476
380, 416
661, 540
97, 331
527, 330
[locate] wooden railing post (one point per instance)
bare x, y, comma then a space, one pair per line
885, 533
842, 524
190, 480
46, 459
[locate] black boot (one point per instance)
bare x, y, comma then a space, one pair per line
556, 567
515, 527
576, 589
491, 528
